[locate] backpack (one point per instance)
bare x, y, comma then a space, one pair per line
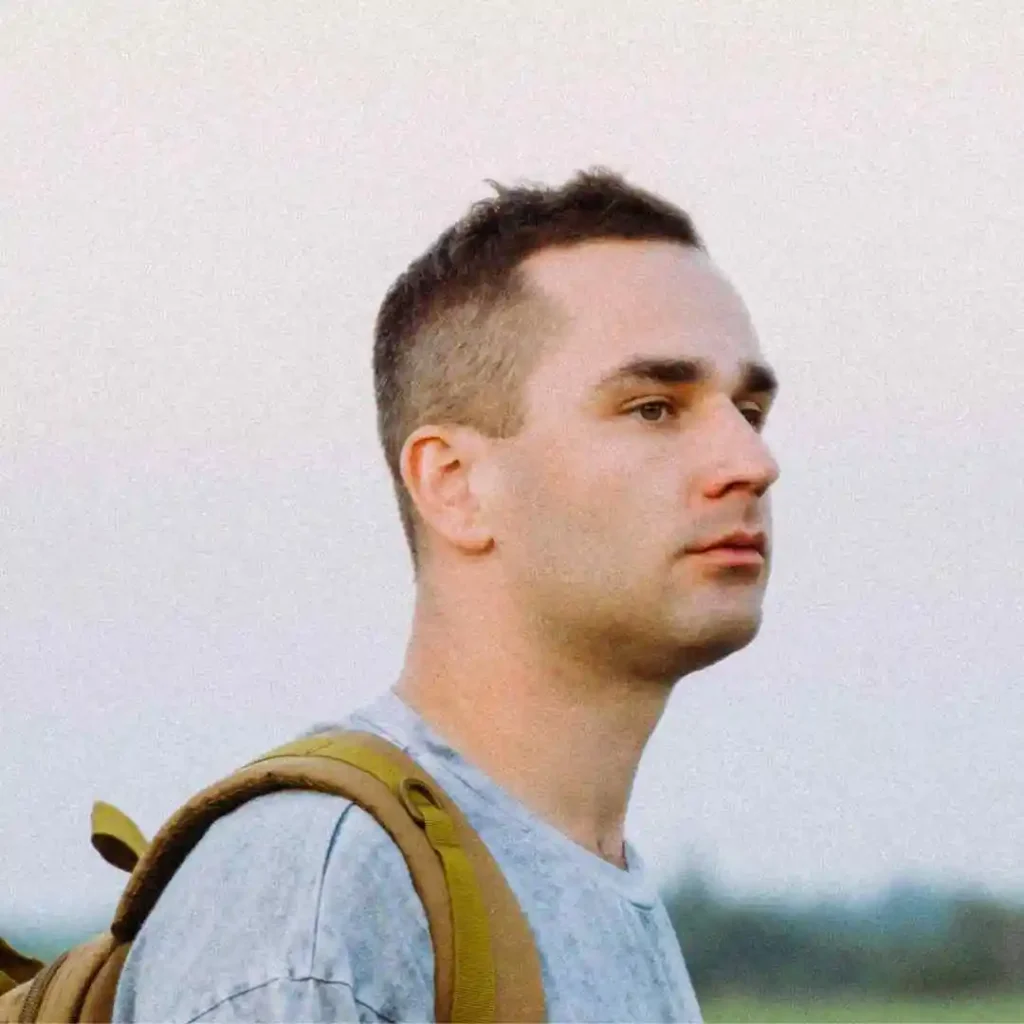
486, 964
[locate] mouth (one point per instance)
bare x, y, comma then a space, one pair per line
727, 555
737, 549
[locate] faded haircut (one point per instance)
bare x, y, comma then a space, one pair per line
459, 332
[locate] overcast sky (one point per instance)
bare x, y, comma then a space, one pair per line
202, 206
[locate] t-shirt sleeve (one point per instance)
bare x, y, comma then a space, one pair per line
297, 906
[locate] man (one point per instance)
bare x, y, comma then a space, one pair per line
571, 399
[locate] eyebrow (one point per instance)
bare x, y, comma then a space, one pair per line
755, 377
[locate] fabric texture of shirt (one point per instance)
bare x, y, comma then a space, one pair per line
298, 906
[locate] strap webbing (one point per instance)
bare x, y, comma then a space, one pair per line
17, 966
474, 986
116, 837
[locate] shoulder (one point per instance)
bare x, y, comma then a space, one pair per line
292, 892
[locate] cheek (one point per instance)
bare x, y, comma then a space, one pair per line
549, 499
587, 495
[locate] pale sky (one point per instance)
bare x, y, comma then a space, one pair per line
202, 206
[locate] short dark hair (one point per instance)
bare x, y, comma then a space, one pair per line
452, 337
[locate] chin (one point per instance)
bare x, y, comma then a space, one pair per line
718, 636
667, 655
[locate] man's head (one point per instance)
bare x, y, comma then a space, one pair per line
570, 399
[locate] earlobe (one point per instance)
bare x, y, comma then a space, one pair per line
439, 469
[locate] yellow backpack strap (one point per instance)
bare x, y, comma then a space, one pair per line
486, 963
494, 967
116, 837
16, 968
473, 996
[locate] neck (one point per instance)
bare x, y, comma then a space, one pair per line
561, 737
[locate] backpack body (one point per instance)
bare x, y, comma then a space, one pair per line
486, 963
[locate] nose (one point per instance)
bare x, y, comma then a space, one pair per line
738, 456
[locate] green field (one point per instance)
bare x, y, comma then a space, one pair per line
865, 1010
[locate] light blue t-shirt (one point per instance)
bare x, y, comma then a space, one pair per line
298, 906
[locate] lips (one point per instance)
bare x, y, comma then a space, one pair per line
738, 540
737, 548
733, 556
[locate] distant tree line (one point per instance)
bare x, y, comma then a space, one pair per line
914, 941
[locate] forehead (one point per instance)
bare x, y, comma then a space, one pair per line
622, 299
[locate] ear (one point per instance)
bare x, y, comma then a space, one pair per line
444, 470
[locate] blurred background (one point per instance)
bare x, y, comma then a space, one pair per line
201, 206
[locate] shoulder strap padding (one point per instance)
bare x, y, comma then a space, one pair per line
69, 989
98, 1006
379, 786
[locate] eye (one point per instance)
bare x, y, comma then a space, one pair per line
652, 411
753, 414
